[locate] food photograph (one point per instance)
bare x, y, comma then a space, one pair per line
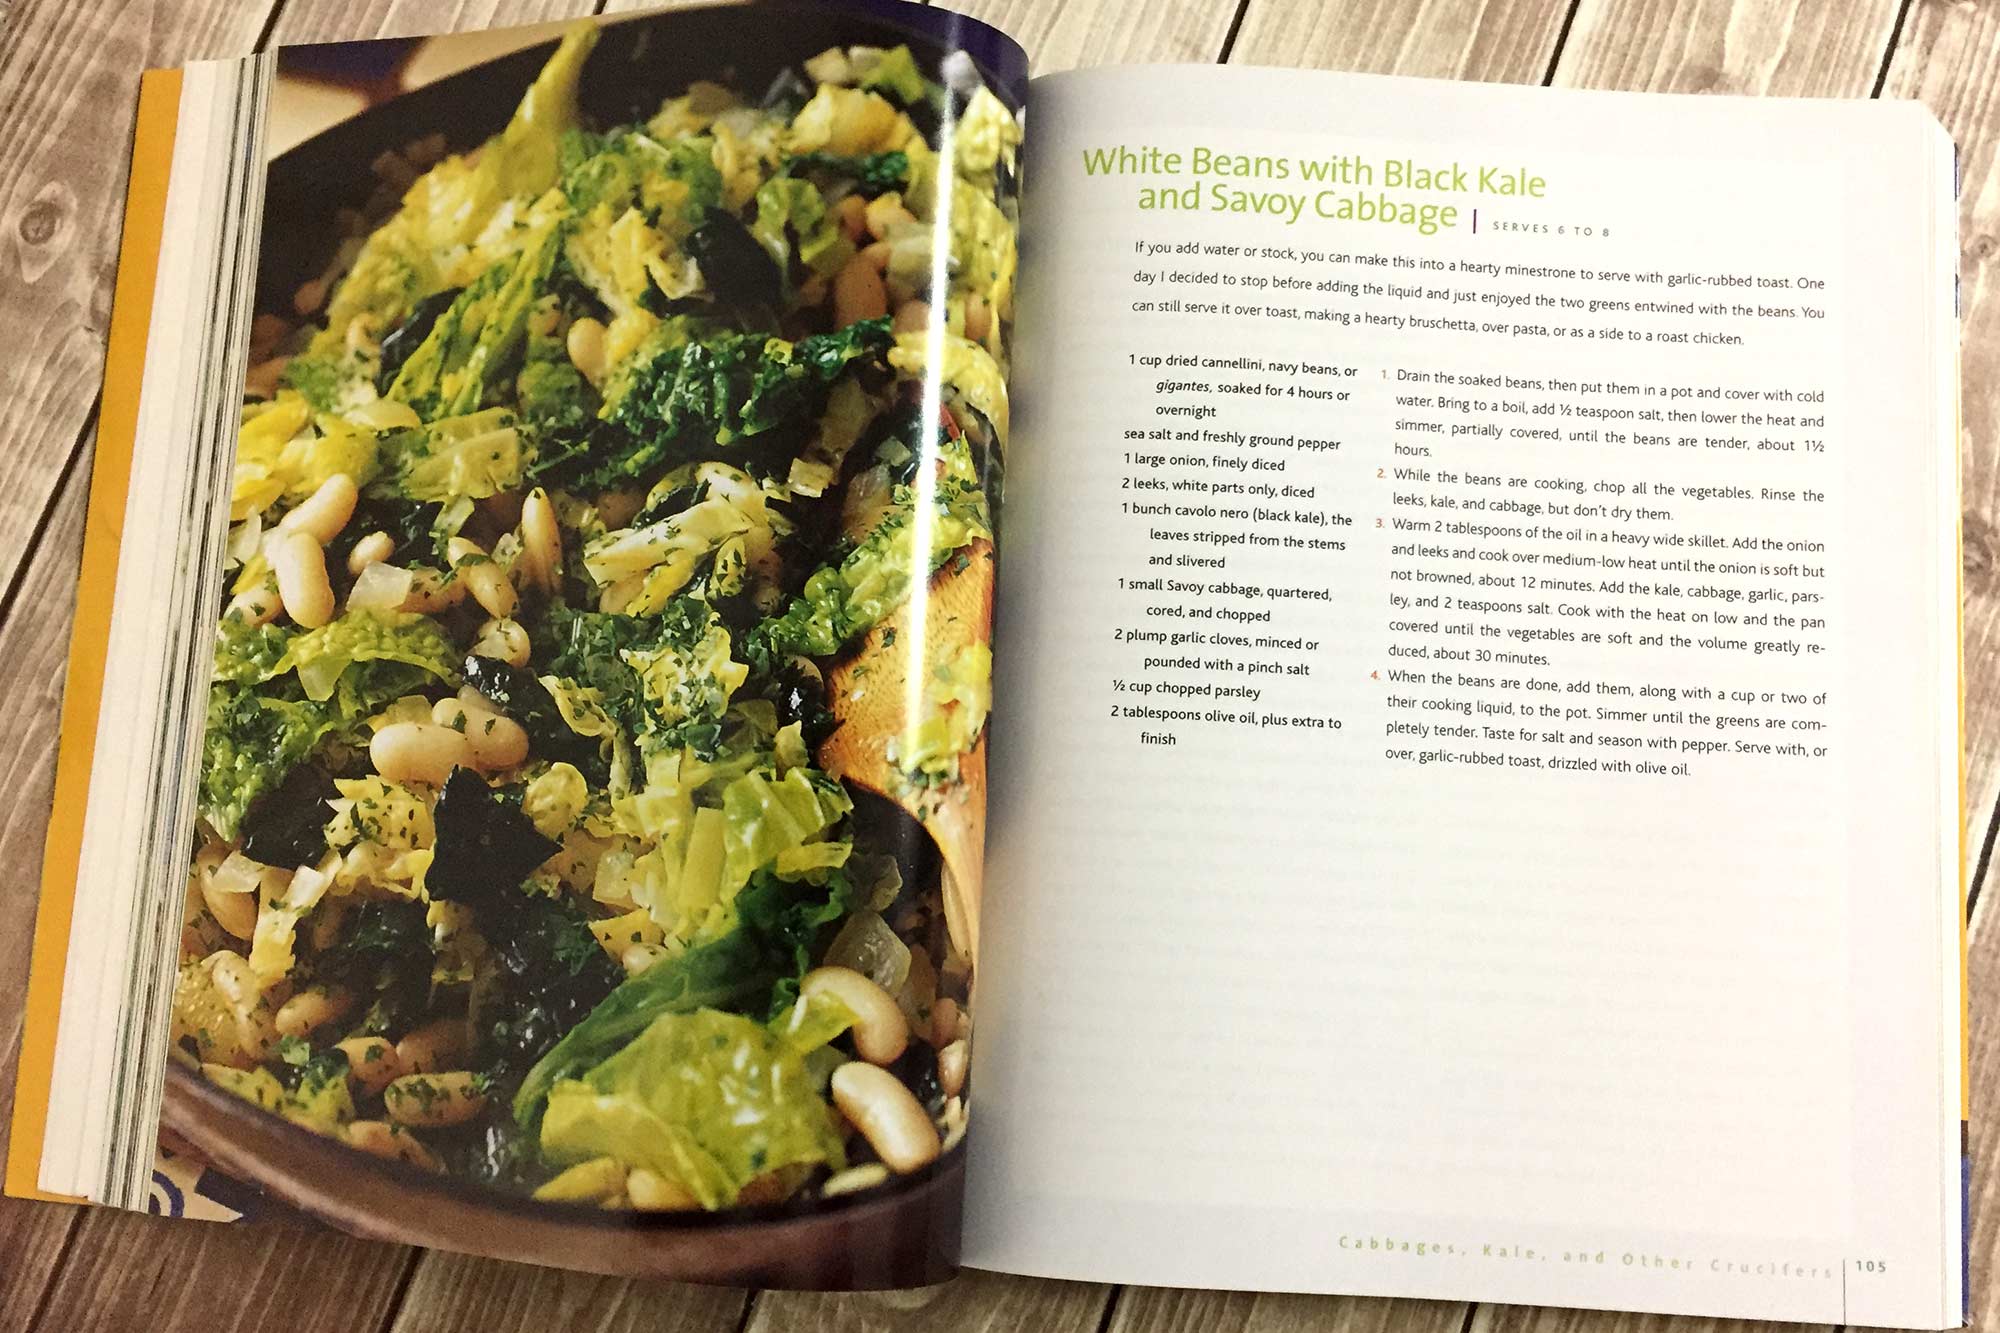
592, 792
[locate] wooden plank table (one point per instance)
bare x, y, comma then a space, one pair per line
67, 91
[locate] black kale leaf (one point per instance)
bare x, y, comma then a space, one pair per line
737, 269
517, 693
484, 847
287, 827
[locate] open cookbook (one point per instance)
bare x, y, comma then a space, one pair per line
1461, 798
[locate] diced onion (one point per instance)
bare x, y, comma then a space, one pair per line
809, 478
867, 945
246, 539
380, 587
237, 874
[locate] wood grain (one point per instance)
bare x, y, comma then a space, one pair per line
638, 6
128, 1271
1983, 1071
453, 1293
34, 642
1160, 1310
1778, 48
316, 21
1492, 41
1527, 1319
1949, 56
1071, 35
971, 1303
33, 1237
69, 84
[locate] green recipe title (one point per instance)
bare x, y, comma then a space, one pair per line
1342, 187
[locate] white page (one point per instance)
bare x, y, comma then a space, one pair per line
1284, 1007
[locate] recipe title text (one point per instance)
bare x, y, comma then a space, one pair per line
1340, 187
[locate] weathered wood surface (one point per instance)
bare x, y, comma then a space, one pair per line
1949, 56
66, 97
1488, 41
68, 86
34, 642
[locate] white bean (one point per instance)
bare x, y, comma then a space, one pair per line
312, 1009
267, 331
502, 638
888, 1116
256, 605
619, 507
371, 1063
311, 295
382, 1139
434, 1046
373, 549
944, 1021
541, 541
424, 1100
483, 577
261, 380
234, 912
588, 350
299, 565
852, 215
422, 752
496, 741
431, 592
978, 318
951, 1063
880, 1030
883, 212
326, 511
858, 292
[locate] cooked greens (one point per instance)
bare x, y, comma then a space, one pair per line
613, 444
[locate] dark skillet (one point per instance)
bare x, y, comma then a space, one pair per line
638, 63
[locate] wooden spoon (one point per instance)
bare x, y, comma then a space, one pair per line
871, 695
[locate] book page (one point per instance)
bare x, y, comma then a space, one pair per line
1476, 815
